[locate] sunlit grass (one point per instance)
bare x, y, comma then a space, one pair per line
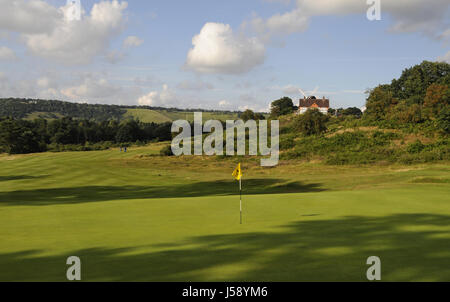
137, 216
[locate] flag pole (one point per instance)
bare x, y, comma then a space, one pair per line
240, 193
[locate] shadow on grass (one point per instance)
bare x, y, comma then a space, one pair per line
98, 193
412, 247
18, 177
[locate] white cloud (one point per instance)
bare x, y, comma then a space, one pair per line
132, 41
291, 90
279, 24
34, 16
224, 103
43, 82
165, 97
48, 31
296, 91
216, 49
91, 88
445, 58
7, 53
76, 87
426, 17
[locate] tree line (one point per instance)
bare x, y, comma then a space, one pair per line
21, 108
19, 136
420, 96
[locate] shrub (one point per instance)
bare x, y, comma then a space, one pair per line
415, 147
166, 151
287, 142
443, 120
312, 122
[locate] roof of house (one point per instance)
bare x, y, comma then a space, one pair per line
313, 102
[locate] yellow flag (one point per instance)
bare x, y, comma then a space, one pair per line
238, 172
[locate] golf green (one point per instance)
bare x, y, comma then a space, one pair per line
139, 217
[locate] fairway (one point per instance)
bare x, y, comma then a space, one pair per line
137, 216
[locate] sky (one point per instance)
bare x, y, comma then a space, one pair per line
210, 54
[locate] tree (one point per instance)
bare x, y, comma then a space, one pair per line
379, 101
259, 117
436, 98
312, 122
405, 113
248, 115
20, 137
443, 120
421, 92
415, 81
352, 111
281, 107
129, 131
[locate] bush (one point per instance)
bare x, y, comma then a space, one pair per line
166, 151
443, 120
287, 142
415, 147
380, 138
311, 123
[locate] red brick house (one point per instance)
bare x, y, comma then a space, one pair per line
312, 102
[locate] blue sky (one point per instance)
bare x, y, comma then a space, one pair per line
245, 54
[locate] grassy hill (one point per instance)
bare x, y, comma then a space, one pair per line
147, 115
31, 109
141, 217
162, 115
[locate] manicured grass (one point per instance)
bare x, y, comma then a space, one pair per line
140, 217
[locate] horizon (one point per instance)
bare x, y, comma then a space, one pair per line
190, 110
220, 56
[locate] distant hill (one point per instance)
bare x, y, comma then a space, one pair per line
31, 109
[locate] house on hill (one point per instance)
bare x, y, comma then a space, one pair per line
312, 102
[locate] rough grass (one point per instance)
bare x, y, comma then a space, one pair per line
44, 115
147, 116
141, 217
162, 116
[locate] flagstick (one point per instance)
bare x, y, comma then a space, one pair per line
240, 193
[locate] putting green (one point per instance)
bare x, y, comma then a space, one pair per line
137, 217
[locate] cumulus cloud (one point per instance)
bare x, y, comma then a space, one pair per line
426, 17
86, 87
34, 16
216, 49
132, 41
15, 87
91, 88
224, 103
7, 53
279, 24
165, 97
50, 32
